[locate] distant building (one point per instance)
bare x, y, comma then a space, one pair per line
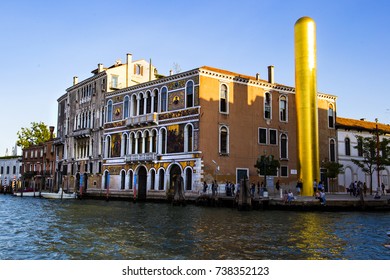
32, 167
81, 113
10, 167
347, 130
204, 124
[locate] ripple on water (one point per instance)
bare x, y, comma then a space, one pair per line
83, 229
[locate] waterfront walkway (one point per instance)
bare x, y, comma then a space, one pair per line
334, 202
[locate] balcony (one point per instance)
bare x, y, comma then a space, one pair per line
151, 118
59, 141
141, 157
82, 133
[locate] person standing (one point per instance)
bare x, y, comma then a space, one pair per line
365, 188
383, 189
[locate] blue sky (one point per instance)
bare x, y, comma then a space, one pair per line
45, 43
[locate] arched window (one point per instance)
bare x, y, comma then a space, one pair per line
123, 179
223, 99
190, 94
126, 107
331, 116
139, 143
347, 146
108, 147
332, 150
188, 142
155, 101
163, 141
147, 141
148, 103
134, 105
141, 104
161, 180
154, 141
109, 111
130, 182
267, 105
164, 97
283, 146
132, 144
223, 140
283, 108
125, 144
360, 146
152, 178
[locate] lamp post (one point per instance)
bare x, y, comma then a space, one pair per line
216, 174
377, 155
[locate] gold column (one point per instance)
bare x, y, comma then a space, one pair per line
306, 103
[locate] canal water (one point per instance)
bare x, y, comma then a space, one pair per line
34, 228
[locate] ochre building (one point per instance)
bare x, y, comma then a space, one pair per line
204, 125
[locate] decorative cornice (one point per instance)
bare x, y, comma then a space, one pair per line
243, 79
154, 83
86, 81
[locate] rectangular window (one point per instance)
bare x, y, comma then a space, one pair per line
262, 136
114, 82
273, 136
283, 171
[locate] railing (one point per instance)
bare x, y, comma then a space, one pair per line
142, 119
82, 132
141, 157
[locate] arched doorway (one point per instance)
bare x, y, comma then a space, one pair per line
85, 185
77, 183
188, 179
174, 172
142, 178
106, 179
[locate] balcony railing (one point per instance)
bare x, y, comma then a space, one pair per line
141, 157
142, 119
81, 133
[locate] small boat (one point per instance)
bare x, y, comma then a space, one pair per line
28, 192
59, 195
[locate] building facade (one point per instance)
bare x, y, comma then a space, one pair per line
10, 169
347, 132
81, 118
203, 125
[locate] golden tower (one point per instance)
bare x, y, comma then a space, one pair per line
306, 103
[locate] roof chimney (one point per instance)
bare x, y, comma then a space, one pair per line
129, 58
257, 76
100, 67
75, 80
271, 74
170, 72
51, 128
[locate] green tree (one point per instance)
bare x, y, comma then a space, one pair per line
37, 134
333, 169
375, 155
267, 165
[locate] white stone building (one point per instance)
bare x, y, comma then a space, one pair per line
347, 130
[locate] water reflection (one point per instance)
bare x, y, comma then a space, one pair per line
45, 229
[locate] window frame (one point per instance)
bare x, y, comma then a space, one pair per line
226, 144
223, 100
